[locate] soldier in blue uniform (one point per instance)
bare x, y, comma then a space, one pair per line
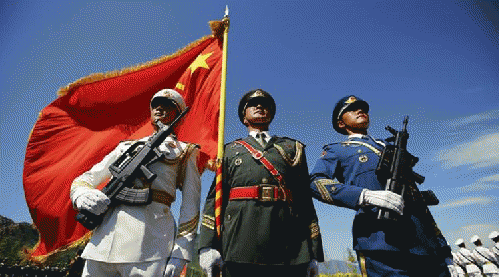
345, 176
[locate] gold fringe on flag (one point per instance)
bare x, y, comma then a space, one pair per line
217, 29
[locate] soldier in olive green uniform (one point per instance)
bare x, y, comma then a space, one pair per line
269, 226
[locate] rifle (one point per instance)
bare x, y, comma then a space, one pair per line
128, 167
395, 165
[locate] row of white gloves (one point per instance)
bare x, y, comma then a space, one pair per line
96, 202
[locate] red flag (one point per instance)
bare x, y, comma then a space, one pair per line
92, 115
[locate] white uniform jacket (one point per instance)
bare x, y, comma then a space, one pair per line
148, 232
465, 258
486, 260
459, 270
495, 249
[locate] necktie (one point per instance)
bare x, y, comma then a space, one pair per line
260, 137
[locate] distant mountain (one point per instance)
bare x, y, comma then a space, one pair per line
14, 237
4, 222
335, 266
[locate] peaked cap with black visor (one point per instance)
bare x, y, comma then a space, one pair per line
259, 96
169, 96
347, 103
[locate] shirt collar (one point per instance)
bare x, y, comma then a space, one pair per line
267, 134
357, 136
366, 137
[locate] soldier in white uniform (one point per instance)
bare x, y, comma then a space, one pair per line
466, 260
144, 240
485, 258
458, 270
494, 236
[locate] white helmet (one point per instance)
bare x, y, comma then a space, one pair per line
172, 95
474, 238
459, 242
493, 235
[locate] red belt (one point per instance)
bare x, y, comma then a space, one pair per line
261, 192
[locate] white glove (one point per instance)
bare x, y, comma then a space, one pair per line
382, 198
453, 271
451, 267
209, 258
174, 267
313, 268
92, 200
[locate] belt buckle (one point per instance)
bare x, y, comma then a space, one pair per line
266, 193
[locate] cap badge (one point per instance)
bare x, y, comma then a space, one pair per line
258, 93
350, 100
167, 94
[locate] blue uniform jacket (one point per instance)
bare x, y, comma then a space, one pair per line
340, 175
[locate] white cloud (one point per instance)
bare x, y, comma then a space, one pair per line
481, 152
465, 202
494, 114
483, 184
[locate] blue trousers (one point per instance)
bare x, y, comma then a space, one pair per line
397, 264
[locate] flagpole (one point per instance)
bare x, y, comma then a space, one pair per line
221, 127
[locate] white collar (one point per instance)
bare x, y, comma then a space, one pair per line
254, 133
366, 136
357, 136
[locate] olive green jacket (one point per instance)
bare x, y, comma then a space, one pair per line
264, 232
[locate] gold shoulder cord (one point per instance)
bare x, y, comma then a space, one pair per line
297, 159
370, 147
181, 167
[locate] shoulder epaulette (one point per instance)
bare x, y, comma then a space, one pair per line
129, 141
232, 142
288, 138
190, 144
330, 145
294, 140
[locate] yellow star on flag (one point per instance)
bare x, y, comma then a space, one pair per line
200, 61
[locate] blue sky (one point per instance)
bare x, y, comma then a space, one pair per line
435, 61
